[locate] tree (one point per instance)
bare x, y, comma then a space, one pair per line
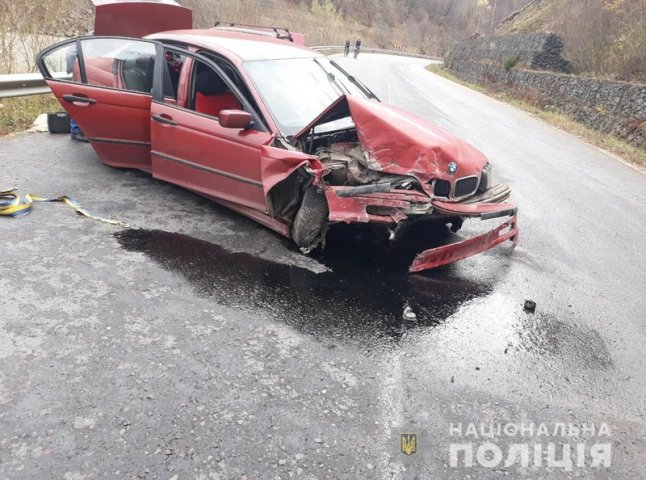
326, 9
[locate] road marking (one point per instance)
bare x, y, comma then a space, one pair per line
391, 418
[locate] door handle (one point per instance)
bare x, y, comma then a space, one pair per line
163, 119
79, 98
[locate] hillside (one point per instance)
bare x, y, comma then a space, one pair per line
604, 38
424, 26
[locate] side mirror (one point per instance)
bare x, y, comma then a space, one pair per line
234, 119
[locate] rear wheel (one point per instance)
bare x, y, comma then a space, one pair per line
307, 230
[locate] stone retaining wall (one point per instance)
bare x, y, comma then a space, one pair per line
540, 51
612, 107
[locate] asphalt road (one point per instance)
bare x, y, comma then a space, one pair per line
200, 345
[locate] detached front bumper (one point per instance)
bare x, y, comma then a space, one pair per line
350, 205
447, 254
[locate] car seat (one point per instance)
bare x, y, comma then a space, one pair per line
212, 94
137, 73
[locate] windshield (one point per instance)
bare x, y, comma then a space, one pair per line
297, 90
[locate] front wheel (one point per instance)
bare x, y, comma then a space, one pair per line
307, 229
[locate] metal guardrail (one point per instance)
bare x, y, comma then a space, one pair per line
400, 53
23, 84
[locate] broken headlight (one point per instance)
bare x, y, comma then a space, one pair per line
486, 178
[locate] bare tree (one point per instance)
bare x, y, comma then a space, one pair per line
493, 14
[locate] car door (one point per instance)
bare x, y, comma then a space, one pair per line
105, 85
190, 147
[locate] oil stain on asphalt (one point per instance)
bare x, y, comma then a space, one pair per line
365, 292
363, 295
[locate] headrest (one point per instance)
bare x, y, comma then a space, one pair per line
207, 82
145, 61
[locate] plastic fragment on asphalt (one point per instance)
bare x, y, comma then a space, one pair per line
530, 306
409, 315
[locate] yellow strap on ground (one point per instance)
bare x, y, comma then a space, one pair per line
12, 205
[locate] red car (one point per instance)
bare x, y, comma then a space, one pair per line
275, 131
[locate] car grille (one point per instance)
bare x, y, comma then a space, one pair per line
465, 186
442, 188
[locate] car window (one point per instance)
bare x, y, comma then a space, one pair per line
232, 73
297, 90
125, 64
119, 63
62, 63
209, 93
172, 70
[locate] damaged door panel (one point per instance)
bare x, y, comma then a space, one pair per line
277, 164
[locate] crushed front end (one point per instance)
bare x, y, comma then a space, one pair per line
392, 168
396, 206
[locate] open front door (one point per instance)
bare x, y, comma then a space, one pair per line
105, 84
190, 145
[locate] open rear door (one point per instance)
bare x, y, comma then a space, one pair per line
105, 84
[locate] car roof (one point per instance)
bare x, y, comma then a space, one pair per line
245, 46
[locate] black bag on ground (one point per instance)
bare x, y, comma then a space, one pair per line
58, 122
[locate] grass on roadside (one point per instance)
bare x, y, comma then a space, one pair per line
18, 114
599, 139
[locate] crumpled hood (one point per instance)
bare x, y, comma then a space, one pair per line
401, 143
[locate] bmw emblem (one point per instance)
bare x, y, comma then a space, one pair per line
453, 167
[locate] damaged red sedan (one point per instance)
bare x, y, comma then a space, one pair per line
275, 131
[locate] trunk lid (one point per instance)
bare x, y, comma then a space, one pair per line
138, 18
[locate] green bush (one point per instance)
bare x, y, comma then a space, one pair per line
510, 62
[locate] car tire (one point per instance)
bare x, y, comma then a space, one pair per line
307, 229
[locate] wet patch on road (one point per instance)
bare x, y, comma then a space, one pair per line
545, 335
362, 297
